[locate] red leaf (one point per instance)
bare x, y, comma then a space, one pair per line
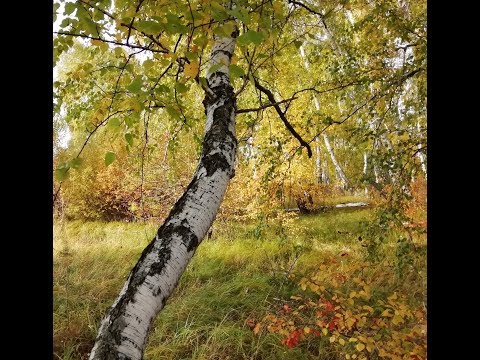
329, 305
292, 339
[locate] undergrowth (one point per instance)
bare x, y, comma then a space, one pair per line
243, 279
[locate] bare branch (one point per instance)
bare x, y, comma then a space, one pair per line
282, 116
98, 8
132, 46
241, 111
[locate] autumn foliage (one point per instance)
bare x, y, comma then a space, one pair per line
343, 308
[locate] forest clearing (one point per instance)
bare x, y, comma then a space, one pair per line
244, 276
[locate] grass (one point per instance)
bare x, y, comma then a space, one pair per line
236, 278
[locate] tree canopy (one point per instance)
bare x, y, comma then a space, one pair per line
131, 73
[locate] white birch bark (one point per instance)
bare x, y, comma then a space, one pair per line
124, 330
325, 174
318, 161
365, 167
420, 154
338, 169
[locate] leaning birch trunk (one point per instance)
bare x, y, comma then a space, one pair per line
340, 174
124, 331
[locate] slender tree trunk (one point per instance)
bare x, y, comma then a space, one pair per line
420, 154
365, 167
124, 330
318, 162
338, 169
325, 174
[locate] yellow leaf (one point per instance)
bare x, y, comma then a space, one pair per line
386, 313
341, 341
324, 331
397, 319
393, 297
303, 285
369, 347
97, 42
332, 338
353, 294
277, 6
360, 347
369, 308
382, 352
349, 322
191, 69
307, 330
352, 339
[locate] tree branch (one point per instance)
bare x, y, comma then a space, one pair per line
282, 116
133, 19
305, 7
98, 8
241, 111
111, 41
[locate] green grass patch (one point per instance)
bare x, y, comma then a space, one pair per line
237, 277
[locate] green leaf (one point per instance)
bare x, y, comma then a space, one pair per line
65, 23
129, 138
297, 43
214, 68
113, 123
240, 14
70, 8
75, 163
91, 27
203, 81
201, 41
149, 27
147, 64
136, 85
181, 88
61, 173
236, 71
129, 121
224, 30
118, 51
251, 37
328, 120
109, 158
172, 111
97, 15
161, 89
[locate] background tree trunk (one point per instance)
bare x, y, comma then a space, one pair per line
338, 169
124, 330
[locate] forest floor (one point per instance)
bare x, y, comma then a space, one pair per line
241, 281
